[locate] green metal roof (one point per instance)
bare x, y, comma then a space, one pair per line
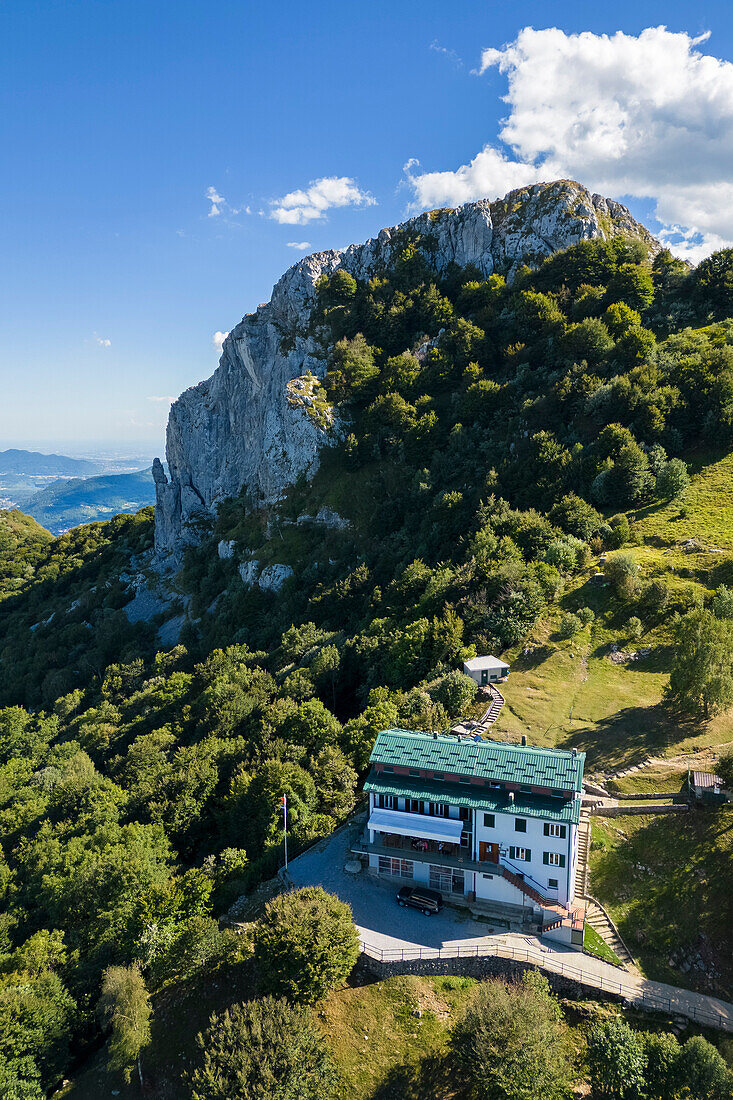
476, 798
557, 769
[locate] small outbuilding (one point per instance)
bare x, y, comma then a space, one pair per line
707, 787
486, 670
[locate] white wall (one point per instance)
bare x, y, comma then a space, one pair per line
505, 835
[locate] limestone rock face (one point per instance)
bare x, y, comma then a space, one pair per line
241, 429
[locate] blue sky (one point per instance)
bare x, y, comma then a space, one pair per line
119, 117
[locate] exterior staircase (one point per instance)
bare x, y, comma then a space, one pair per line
554, 915
492, 711
582, 877
595, 915
599, 919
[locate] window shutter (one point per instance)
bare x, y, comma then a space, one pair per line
527, 854
547, 829
562, 831
546, 857
512, 850
562, 861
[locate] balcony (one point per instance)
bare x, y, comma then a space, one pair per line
424, 851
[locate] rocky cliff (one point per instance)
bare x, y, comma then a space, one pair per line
253, 426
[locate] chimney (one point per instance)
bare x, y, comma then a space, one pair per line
511, 796
575, 753
435, 735
524, 738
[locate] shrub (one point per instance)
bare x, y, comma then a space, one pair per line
306, 944
455, 691
672, 479
570, 625
634, 627
622, 571
511, 1042
702, 1070
615, 1060
262, 1050
586, 616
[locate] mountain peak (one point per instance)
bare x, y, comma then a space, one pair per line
245, 429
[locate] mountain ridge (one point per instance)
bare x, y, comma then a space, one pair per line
242, 430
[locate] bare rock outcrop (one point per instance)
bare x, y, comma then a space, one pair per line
243, 429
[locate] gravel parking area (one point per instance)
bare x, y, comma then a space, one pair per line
381, 921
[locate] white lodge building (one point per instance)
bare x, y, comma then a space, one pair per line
495, 823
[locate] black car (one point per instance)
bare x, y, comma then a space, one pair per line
419, 897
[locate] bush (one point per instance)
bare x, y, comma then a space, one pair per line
262, 1050
622, 571
634, 627
570, 625
672, 479
511, 1043
455, 691
306, 944
702, 1070
615, 1060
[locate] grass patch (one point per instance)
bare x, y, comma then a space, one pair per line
594, 944
667, 882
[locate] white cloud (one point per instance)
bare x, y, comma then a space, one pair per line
162, 400
451, 55
299, 207
648, 116
216, 200
299, 246
218, 340
102, 342
219, 205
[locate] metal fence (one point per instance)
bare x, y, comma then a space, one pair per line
632, 993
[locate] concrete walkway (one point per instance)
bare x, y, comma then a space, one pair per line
389, 932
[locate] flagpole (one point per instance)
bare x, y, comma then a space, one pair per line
285, 828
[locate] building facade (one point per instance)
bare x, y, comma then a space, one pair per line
486, 670
489, 822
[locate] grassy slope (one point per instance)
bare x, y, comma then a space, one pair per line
389, 1039
666, 882
569, 693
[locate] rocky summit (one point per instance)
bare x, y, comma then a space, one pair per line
251, 426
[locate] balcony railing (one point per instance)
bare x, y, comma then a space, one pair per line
402, 847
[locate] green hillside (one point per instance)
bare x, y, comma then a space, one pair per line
66, 504
500, 447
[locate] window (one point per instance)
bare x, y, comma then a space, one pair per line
438, 775
524, 855
385, 802
387, 768
558, 794
520, 825
414, 771
464, 779
525, 790
489, 821
389, 865
414, 805
446, 879
497, 786
555, 830
553, 859
487, 876
552, 884
438, 809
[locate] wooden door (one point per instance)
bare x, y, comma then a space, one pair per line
488, 853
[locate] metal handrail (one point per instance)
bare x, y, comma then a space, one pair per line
555, 966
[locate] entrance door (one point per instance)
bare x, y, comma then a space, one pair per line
488, 853
484, 676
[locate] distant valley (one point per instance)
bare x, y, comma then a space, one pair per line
60, 492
